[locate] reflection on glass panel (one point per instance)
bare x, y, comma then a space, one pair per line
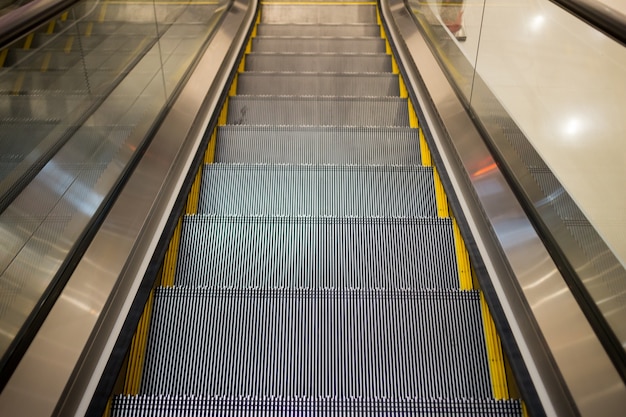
78, 97
550, 91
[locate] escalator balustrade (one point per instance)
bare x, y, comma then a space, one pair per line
318, 268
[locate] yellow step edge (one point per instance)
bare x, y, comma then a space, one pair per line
494, 354
194, 194
64, 16
29, 41
103, 12
209, 155
232, 91
425, 151
3, 57
19, 82
68, 45
403, 91
89, 29
171, 256
394, 66
136, 359
223, 117
46, 61
413, 120
440, 195
51, 26
462, 256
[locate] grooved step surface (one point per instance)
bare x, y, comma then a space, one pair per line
314, 111
294, 252
316, 343
317, 190
318, 14
350, 30
314, 62
255, 83
183, 406
301, 44
317, 145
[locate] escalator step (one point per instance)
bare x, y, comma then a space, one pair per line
263, 83
336, 45
316, 344
313, 62
184, 406
350, 30
316, 252
318, 111
318, 13
317, 190
318, 145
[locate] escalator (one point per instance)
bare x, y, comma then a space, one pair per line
320, 269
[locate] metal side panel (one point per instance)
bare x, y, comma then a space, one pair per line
301, 44
318, 145
314, 111
566, 370
313, 62
318, 190
62, 367
308, 252
318, 13
346, 85
185, 406
305, 343
349, 30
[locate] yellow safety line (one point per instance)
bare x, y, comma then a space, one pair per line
51, 25
138, 350
494, 353
403, 91
424, 151
46, 61
29, 41
89, 29
440, 195
171, 257
19, 82
462, 258
413, 120
232, 91
103, 12
193, 198
3, 57
68, 45
107, 410
209, 155
64, 16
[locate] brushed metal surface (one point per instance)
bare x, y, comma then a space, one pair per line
61, 368
571, 371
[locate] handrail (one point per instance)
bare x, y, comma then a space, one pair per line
602, 17
27, 17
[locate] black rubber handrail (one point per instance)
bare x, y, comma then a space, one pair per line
609, 21
24, 19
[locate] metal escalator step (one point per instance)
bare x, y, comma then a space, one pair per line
351, 30
192, 406
317, 190
302, 44
264, 83
317, 252
318, 145
316, 344
313, 62
326, 111
318, 13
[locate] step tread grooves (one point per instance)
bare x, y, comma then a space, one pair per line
339, 344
